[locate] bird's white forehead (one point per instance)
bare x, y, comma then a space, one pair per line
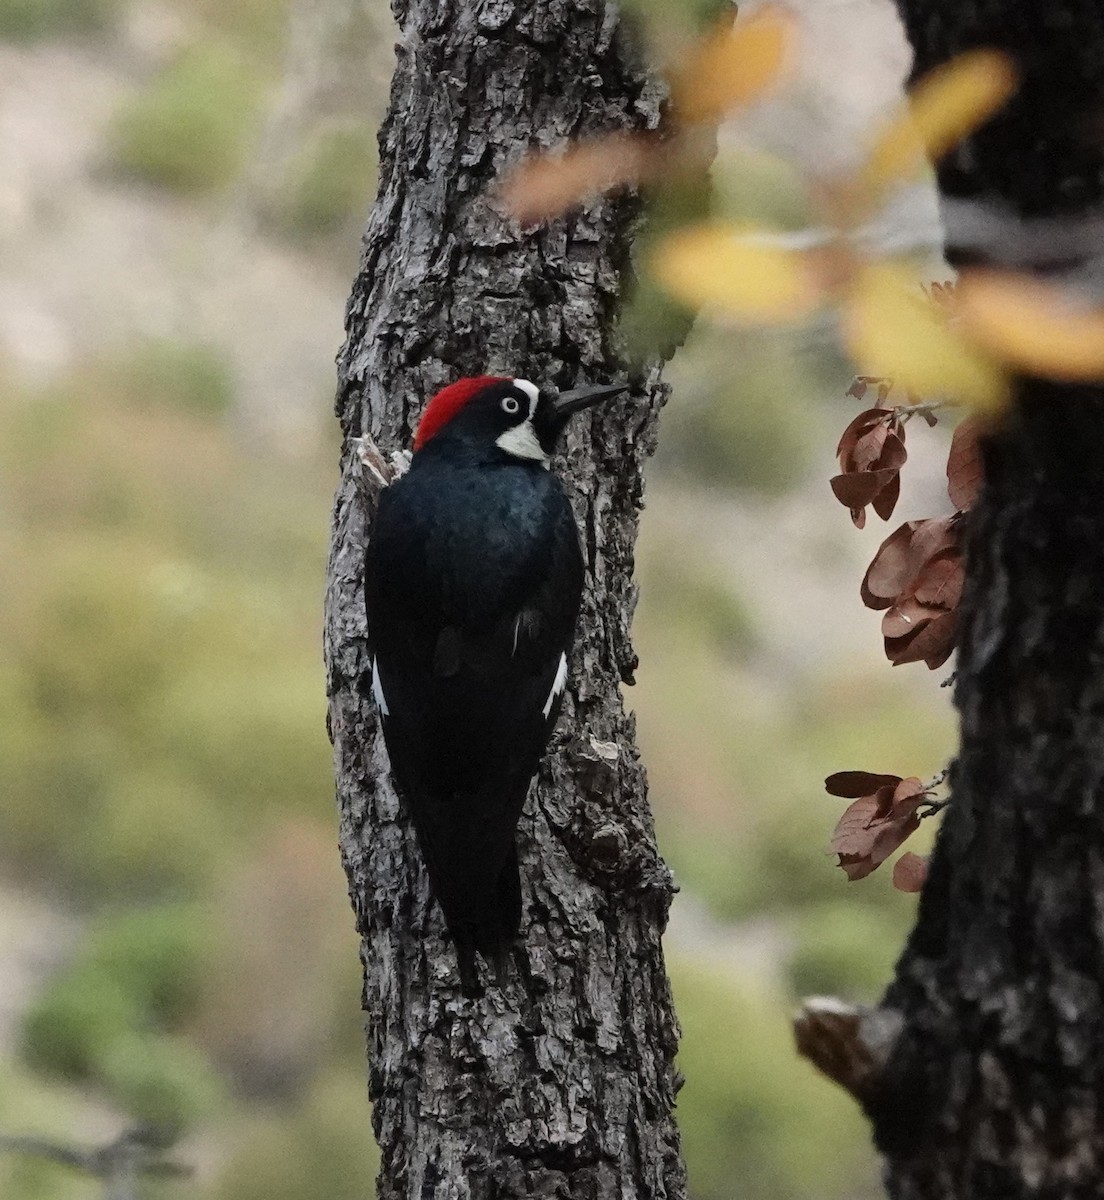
531, 390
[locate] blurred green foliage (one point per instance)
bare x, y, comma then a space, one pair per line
111, 1017
329, 184
325, 1149
846, 949
744, 417
257, 27
148, 579
164, 693
756, 1122
703, 598
189, 129
186, 376
687, 16
30, 20
163, 754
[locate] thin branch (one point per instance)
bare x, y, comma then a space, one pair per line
120, 1163
848, 1043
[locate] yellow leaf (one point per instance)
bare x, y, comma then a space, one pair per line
1032, 325
947, 105
546, 185
892, 329
723, 267
732, 67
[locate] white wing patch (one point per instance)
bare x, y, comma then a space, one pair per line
558, 684
377, 690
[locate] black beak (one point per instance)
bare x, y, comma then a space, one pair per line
576, 400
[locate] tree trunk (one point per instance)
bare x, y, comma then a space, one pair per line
561, 1083
993, 1088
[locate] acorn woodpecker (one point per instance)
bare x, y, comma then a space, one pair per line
473, 581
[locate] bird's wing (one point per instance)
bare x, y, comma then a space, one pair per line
464, 700
468, 705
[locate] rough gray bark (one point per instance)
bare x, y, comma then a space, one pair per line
562, 1083
993, 1088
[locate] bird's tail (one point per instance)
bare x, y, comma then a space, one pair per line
475, 878
491, 930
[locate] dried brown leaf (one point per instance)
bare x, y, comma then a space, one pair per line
852, 784
941, 580
932, 643
857, 829
886, 500
910, 872
865, 837
901, 556
879, 449
866, 420
964, 464
907, 617
857, 866
858, 488
867, 450
907, 792
871, 453
889, 570
884, 800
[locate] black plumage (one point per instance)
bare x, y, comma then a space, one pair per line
473, 582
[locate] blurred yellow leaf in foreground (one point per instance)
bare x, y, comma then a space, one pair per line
546, 185
892, 330
731, 68
945, 106
1032, 325
724, 267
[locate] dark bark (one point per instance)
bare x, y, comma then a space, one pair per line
561, 1083
994, 1088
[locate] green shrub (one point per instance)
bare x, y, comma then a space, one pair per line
186, 377
756, 1121
164, 1081
847, 948
143, 811
28, 20
80, 1013
189, 130
156, 954
107, 1018
745, 418
691, 15
692, 590
325, 1149
257, 27
329, 184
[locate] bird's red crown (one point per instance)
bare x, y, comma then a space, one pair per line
448, 402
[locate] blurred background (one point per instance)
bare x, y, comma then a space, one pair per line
182, 187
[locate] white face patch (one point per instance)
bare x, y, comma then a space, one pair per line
532, 391
521, 440
377, 690
558, 684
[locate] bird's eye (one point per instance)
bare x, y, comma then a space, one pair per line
510, 405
